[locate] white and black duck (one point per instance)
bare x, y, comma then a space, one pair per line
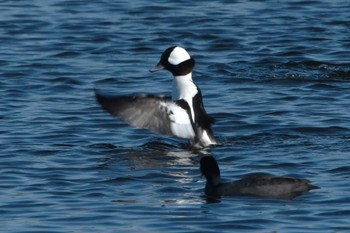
182, 115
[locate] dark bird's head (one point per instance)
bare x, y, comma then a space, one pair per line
209, 168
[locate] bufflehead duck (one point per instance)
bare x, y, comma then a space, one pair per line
255, 185
183, 115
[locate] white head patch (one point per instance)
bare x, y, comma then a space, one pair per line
178, 55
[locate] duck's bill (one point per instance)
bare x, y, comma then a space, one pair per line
156, 68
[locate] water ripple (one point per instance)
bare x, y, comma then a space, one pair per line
275, 77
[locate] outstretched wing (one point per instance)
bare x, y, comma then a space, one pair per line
154, 112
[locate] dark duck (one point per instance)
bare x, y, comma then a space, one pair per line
268, 186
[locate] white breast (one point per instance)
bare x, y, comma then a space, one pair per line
184, 88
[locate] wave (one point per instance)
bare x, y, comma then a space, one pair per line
269, 69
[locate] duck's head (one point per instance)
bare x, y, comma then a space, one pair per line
176, 60
210, 168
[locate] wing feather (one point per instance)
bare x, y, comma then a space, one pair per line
154, 112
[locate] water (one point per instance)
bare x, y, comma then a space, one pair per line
275, 75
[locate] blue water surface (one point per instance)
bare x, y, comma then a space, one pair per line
274, 74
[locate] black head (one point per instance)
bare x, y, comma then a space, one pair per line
209, 167
176, 60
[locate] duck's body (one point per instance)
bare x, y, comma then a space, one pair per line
263, 185
183, 115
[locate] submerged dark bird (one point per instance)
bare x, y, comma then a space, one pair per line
255, 185
182, 115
